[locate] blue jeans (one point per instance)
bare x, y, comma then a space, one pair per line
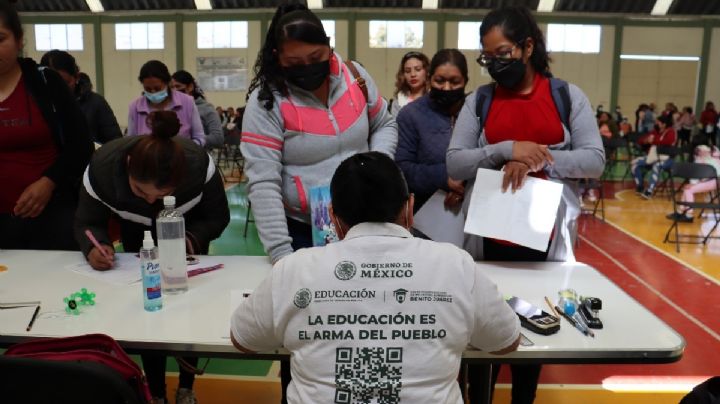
639, 166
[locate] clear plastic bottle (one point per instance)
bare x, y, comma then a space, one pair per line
171, 240
150, 267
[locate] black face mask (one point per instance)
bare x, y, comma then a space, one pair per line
507, 74
446, 98
308, 77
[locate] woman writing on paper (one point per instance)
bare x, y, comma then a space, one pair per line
557, 139
127, 178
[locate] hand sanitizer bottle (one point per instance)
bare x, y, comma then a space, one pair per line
150, 267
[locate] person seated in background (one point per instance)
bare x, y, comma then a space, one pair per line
425, 128
101, 121
184, 82
703, 155
372, 212
662, 135
608, 127
44, 148
685, 124
159, 96
411, 80
128, 178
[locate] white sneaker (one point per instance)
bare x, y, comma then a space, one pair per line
185, 396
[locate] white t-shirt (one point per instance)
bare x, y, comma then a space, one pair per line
380, 317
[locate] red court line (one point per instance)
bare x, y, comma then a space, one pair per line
682, 286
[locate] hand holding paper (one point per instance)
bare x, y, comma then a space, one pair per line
525, 217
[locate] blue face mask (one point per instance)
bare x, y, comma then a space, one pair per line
158, 97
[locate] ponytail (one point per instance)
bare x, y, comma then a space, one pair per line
157, 158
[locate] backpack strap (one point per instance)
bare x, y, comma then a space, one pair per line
359, 79
560, 91
483, 99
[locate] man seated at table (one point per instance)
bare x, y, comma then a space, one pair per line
379, 315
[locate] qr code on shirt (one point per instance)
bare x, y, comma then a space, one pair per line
368, 375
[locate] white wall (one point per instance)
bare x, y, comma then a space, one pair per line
712, 90
85, 58
382, 64
122, 68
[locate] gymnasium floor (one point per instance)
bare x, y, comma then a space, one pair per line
681, 288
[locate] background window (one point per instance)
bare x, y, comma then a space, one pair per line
574, 38
396, 34
140, 35
222, 34
469, 35
329, 26
67, 37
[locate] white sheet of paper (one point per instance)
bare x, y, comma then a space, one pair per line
526, 217
438, 223
125, 271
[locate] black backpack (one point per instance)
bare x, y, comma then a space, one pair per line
559, 89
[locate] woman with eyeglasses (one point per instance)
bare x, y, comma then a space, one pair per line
425, 127
526, 123
411, 80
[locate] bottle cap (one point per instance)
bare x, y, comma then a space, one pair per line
148, 242
169, 200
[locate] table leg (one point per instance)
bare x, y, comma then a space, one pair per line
480, 384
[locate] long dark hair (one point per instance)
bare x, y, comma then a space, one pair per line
401, 85
518, 24
10, 19
185, 77
157, 158
60, 60
291, 21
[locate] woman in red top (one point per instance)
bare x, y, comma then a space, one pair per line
526, 131
709, 120
662, 135
44, 148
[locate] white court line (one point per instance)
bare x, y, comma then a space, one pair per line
654, 290
665, 253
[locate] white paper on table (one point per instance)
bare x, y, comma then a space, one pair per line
439, 223
526, 217
236, 298
125, 271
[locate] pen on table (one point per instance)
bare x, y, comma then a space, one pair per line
97, 245
575, 324
198, 271
552, 308
34, 316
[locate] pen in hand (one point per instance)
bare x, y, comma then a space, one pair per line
34, 316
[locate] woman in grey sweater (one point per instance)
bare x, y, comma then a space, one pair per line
184, 82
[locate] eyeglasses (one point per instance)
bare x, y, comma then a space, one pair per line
486, 60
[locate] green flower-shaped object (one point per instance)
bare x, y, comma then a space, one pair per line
77, 299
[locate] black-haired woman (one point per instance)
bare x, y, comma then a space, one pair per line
412, 80
100, 117
127, 179
425, 128
556, 139
306, 112
44, 148
184, 82
158, 96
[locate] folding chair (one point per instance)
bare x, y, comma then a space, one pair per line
247, 218
616, 152
665, 180
599, 204
633, 151
686, 172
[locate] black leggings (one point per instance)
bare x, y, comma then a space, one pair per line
154, 366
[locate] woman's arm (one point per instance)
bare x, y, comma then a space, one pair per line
467, 151
209, 218
197, 134
586, 157
262, 147
383, 128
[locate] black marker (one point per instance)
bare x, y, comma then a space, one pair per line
32, 320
